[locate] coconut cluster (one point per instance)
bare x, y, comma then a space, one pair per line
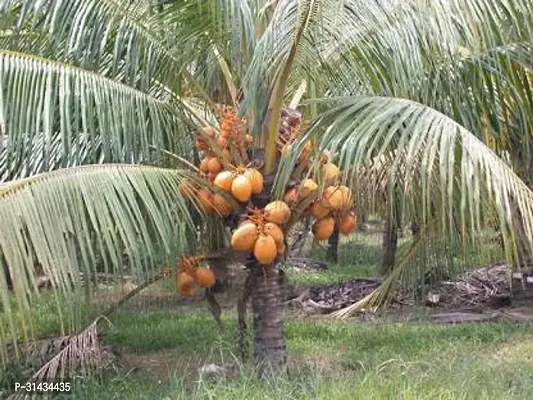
262, 233
191, 274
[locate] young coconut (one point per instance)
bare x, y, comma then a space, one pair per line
205, 278
204, 165
241, 188
318, 211
205, 199
323, 228
346, 223
185, 284
277, 212
245, 237
221, 205
291, 196
256, 179
214, 165
265, 250
274, 231
307, 187
333, 198
330, 172
224, 180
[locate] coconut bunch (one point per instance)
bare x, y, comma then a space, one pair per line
262, 232
229, 144
191, 274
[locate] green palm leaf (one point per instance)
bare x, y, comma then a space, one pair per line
72, 105
69, 221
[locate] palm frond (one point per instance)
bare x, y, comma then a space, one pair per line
434, 167
43, 102
70, 221
119, 35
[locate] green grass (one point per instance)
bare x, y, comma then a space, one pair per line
329, 360
162, 350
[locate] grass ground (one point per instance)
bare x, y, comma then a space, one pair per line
162, 350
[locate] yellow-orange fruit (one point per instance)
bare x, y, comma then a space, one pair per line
185, 284
307, 187
346, 223
244, 238
330, 171
214, 165
265, 250
204, 165
256, 179
347, 196
205, 278
209, 131
205, 199
241, 188
332, 198
318, 211
291, 196
282, 249
222, 142
221, 205
324, 157
277, 212
249, 140
274, 231
323, 228
224, 180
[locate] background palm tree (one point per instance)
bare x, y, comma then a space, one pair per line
97, 120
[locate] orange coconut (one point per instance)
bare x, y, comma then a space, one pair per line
244, 237
307, 187
221, 205
291, 196
205, 278
323, 228
204, 165
332, 198
185, 284
265, 250
277, 212
256, 179
214, 166
274, 231
205, 199
241, 188
282, 249
318, 211
330, 172
224, 180
346, 223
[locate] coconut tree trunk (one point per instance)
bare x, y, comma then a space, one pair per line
333, 247
267, 296
389, 245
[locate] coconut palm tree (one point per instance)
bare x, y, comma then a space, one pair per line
100, 101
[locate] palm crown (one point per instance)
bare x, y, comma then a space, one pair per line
100, 100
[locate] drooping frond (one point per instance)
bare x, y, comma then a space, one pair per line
83, 220
435, 168
46, 106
